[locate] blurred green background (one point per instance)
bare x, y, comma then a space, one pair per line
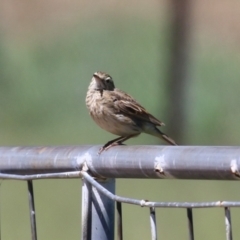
48, 53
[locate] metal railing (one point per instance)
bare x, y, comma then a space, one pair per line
99, 173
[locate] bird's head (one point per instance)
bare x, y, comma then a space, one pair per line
102, 81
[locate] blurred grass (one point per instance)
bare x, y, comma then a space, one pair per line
43, 83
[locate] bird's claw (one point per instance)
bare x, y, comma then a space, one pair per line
106, 147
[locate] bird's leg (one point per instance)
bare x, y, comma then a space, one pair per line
109, 144
115, 142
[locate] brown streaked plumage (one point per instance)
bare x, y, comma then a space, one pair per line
118, 113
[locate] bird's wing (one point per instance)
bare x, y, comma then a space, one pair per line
127, 105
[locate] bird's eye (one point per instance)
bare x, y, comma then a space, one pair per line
108, 80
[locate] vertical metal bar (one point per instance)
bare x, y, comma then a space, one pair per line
228, 223
86, 210
119, 221
153, 223
103, 212
32, 210
177, 78
1, 209
190, 223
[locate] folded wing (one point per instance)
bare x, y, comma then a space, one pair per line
129, 106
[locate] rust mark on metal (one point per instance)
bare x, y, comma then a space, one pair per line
234, 168
159, 169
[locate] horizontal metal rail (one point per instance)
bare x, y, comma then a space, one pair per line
162, 162
146, 203
139, 202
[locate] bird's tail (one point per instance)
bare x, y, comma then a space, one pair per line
167, 138
153, 130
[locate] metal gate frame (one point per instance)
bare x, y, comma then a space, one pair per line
100, 171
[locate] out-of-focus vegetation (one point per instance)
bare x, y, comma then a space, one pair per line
43, 82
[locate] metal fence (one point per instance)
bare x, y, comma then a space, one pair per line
100, 171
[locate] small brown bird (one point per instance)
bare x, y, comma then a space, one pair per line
118, 113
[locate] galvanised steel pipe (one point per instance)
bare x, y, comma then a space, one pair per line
33, 160
163, 162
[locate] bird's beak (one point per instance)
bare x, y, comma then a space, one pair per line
96, 77
98, 81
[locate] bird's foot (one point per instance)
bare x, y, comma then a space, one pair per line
107, 146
